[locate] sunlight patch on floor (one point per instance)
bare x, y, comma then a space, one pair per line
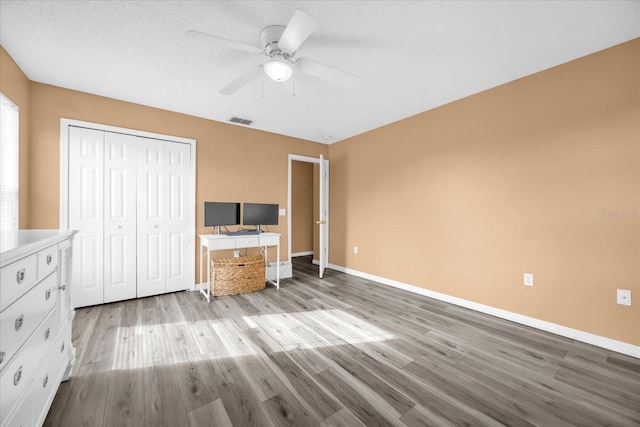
313, 329
144, 346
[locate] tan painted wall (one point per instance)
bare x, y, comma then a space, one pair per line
301, 207
233, 163
541, 175
15, 85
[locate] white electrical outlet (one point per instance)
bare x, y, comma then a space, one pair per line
528, 279
283, 212
624, 297
355, 249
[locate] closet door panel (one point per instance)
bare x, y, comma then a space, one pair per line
120, 217
129, 197
151, 213
86, 157
178, 173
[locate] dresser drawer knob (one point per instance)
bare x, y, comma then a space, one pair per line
47, 294
19, 322
46, 334
45, 380
20, 275
49, 259
2, 356
63, 287
62, 348
17, 376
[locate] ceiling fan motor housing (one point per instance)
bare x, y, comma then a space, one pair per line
270, 37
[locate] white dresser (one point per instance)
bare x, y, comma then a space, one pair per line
35, 323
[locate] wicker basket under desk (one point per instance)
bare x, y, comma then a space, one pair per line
240, 275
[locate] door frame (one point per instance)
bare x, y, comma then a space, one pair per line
65, 124
306, 159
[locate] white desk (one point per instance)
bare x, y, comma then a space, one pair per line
219, 242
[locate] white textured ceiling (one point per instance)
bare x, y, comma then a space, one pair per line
411, 56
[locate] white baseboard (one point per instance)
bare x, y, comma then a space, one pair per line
307, 253
315, 261
586, 337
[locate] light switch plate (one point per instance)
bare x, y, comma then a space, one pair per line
283, 212
624, 297
528, 279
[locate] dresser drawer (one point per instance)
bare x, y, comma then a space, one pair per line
269, 240
22, 416
20, 319
47, 261
216, 244
17, 278
48, 377
247, 242
22, 368
44, 337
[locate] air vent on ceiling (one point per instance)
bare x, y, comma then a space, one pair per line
241, 121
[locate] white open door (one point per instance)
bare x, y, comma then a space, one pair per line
323, 202
324, 215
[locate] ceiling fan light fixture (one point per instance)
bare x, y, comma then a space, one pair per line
278, 70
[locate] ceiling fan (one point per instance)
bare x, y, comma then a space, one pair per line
279, 44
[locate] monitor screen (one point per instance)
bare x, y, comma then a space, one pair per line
260, 214
221, 213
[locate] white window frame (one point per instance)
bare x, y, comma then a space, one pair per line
9, 164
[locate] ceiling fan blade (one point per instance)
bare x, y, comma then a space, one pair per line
197, 35
300, 26
242, 80
330, 74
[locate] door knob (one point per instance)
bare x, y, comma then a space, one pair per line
321, 222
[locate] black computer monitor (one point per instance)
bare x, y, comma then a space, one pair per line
221, 213
260, 214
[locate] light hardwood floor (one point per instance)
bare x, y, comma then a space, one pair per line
341, 351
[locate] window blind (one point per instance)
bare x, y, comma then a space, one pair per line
8, 164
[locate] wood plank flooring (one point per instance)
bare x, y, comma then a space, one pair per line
341, 351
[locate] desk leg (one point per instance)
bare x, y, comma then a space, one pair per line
206, 294
208, 267
266, 258
278, 265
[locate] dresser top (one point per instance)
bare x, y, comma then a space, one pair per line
17, 244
